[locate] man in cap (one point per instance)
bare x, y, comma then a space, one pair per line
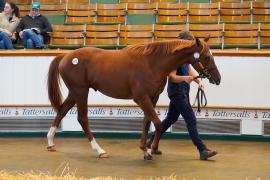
33, 28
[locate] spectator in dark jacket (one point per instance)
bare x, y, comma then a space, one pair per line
33, 28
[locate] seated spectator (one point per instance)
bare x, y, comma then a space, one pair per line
9, 20
33, 28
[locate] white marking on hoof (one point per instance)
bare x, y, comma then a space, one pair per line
104, 155
147, 156
50, 136
75, 61
97, 148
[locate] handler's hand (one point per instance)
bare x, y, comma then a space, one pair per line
188, 79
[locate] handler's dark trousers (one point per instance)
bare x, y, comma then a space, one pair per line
180, 104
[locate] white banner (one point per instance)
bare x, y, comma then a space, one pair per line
119, 112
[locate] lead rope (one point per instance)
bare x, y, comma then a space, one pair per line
200, 96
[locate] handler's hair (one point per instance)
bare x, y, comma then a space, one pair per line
186, 35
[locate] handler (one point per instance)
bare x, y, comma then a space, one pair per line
178, 91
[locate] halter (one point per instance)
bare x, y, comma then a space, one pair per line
205, 72
200, 96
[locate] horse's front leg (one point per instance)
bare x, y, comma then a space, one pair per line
146, 126
150, 115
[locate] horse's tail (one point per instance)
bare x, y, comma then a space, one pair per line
53, 82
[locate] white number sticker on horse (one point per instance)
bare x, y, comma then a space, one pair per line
75, 61
196, 55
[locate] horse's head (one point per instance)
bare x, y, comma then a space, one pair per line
203, 61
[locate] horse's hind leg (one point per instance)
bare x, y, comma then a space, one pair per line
65, 107
81, 101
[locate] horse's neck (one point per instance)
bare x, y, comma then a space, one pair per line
170, 63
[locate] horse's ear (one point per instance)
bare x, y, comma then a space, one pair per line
207, 38
198, 42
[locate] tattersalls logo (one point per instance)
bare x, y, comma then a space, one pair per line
37, 112
5, 112
120, 112
91, 111
231, 114
265, 115
129, 112
198, 114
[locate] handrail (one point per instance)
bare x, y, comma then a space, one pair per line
216, 52
134, 106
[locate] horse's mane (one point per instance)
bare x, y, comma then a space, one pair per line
159, 47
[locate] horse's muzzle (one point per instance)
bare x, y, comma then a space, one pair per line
214, 81
217, 82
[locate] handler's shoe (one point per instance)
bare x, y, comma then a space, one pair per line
207, 153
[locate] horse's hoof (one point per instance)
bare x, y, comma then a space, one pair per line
51, 148
148, 157
104, 155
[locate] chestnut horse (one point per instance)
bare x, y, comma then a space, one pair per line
136, 72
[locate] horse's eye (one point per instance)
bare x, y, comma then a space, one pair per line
207, 59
